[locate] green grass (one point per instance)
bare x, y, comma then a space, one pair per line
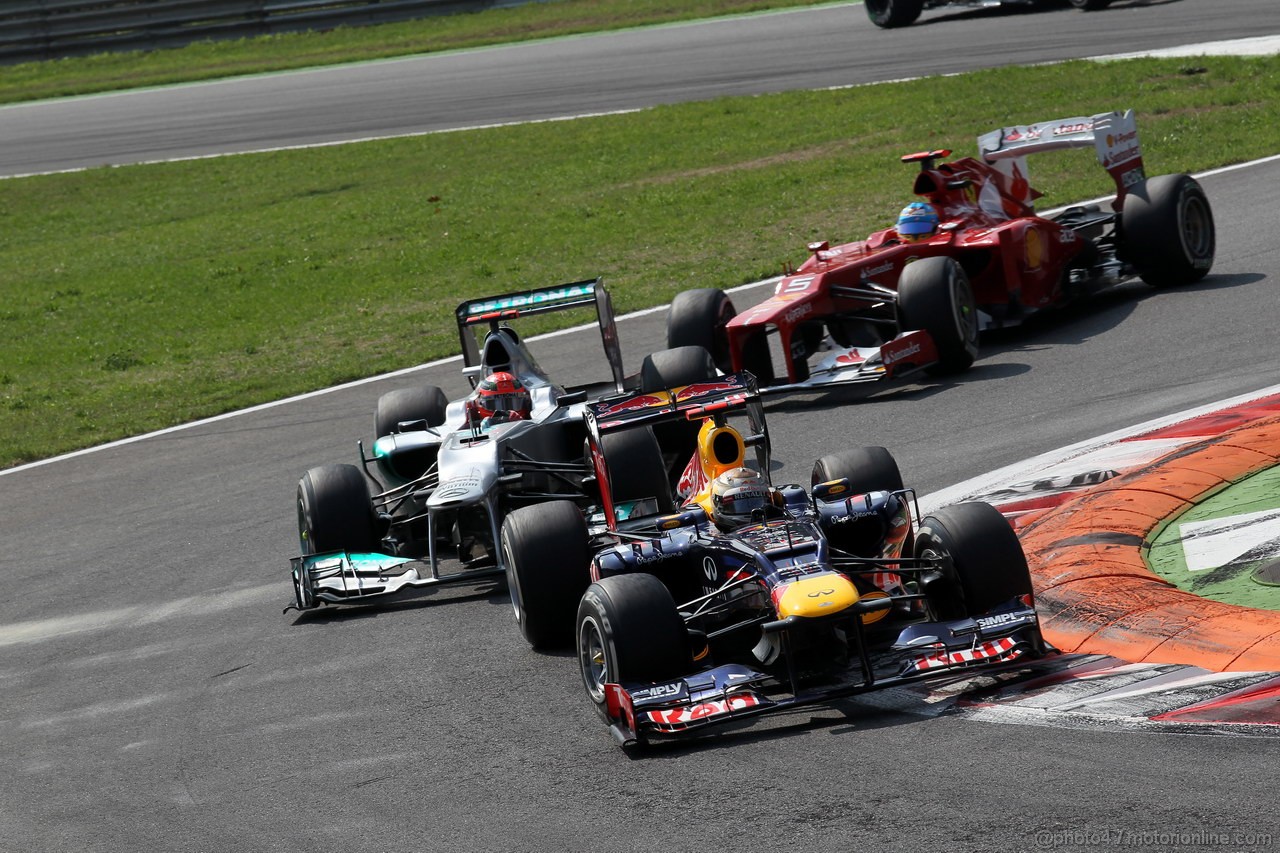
214, 59
141, 297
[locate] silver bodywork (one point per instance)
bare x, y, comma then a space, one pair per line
458, 503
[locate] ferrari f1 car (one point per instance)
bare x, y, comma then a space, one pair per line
708, 608
444, 474
900, 13
848, 314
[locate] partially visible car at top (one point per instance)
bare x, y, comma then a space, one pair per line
425, 508
847, 314
900, 13
730, 598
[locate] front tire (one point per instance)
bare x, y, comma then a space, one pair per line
868, 469
674, 368
409, 405
546, 549
1090, 5
335, 512
934, 295
629, 630
1167, 230
698, 318
893, 13
427, 403
977, 546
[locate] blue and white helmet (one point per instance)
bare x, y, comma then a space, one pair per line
918, 221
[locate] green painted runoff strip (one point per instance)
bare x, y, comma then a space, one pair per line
1240, 526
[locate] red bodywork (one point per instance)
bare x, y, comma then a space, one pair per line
1015, 260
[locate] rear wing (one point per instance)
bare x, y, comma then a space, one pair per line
1113, 135
494, 311
715, 398
687, 402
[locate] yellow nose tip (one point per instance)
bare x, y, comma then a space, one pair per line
816, 595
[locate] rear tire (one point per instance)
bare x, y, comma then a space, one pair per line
1167, 230
984, 554
934, 295
335, 512
893, 13
868, 469
1090, 5
698, 318
637, 468
629, 630
546, 549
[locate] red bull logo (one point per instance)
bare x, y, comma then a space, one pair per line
703, 389
633, 404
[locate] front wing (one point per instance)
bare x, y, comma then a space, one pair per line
733, 693
345, 578
905, 355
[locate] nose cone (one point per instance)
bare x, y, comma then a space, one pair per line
816, 595
459, 492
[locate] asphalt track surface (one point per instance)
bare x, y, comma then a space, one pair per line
156, 699
806, 49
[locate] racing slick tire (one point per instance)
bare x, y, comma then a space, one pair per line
868, 469
1090, 5
698, 318
427, 403
335, 512
672, 368
893, 13
976, 543
637, 469
547, 552
628, 628
1167, 230
934, 295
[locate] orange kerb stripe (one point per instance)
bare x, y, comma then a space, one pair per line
1095, 591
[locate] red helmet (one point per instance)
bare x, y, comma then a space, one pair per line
502, 392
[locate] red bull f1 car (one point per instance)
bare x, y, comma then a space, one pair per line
687, 618
425, 508
887, 305
900, 13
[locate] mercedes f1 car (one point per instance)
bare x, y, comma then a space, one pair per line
443, 477
850, 313
900, 13
702, 609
